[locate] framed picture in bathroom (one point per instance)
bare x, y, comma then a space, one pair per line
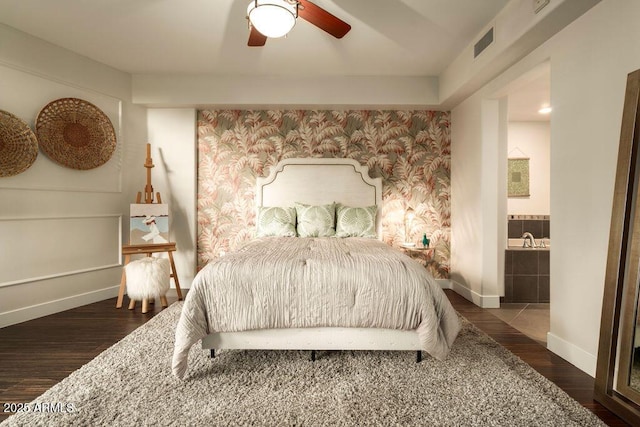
518, 177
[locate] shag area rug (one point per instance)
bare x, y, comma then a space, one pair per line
130, 384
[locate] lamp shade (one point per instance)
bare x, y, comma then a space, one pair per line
409, 214
272, 18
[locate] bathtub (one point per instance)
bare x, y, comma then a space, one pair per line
526, 273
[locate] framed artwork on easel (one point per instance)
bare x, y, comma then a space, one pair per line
149, 223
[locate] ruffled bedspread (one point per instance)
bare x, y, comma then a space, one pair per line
291, 282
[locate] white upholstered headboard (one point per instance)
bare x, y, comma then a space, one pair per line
318, 181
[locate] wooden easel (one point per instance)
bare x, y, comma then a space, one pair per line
148, 249
148, 189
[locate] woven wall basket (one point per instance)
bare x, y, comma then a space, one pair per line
75, 133
18, 145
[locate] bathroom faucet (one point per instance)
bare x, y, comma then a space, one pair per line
529, 241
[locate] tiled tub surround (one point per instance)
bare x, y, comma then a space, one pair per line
526, 275
538, 225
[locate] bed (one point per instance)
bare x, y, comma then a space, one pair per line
318, 292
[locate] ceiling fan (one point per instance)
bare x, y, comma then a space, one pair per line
275, 18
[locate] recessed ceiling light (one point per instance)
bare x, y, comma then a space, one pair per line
544, 110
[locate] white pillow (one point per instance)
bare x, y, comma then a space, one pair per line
316, 221
356, 222
276, 221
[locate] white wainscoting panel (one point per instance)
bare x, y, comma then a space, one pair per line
42, 248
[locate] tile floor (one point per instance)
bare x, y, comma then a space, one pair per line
529, 318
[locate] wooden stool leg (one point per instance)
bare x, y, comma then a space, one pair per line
123, 281
132, 304
147, 301
163, 301
174, 274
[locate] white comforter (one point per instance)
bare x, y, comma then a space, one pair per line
305, 282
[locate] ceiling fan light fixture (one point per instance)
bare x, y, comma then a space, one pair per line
272, 18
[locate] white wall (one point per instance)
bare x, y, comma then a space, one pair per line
60, 228
590, 64
478, 183
466, 197
533, 140
590, 60
261, 92
517, 31
172, 135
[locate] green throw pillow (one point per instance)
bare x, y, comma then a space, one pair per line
316, 221
275, 221
356, 222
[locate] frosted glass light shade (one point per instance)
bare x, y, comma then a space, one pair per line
272, 18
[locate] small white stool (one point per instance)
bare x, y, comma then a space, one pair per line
147, 279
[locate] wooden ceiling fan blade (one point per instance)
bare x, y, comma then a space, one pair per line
322, 19
256, 39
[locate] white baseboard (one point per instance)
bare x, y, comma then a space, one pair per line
573, 354
50, 307
444, 283
483, 301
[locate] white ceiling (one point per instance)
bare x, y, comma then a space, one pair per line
524, 101
177, 37
388, 37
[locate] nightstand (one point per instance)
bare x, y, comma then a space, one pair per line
417, 249
419, 253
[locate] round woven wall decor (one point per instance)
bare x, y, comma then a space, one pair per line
75, 133
18, 145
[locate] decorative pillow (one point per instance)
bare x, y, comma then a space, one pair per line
276, 221
316, 221
356, 222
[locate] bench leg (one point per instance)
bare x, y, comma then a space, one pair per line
163, 301
132, 304
213, 353
419, 356
145, 305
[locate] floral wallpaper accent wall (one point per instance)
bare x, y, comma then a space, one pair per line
410, 150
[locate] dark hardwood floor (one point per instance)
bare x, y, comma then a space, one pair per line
36, 355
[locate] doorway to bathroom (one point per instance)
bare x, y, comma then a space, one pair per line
526, 300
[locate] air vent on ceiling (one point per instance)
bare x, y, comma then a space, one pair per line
483, 43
